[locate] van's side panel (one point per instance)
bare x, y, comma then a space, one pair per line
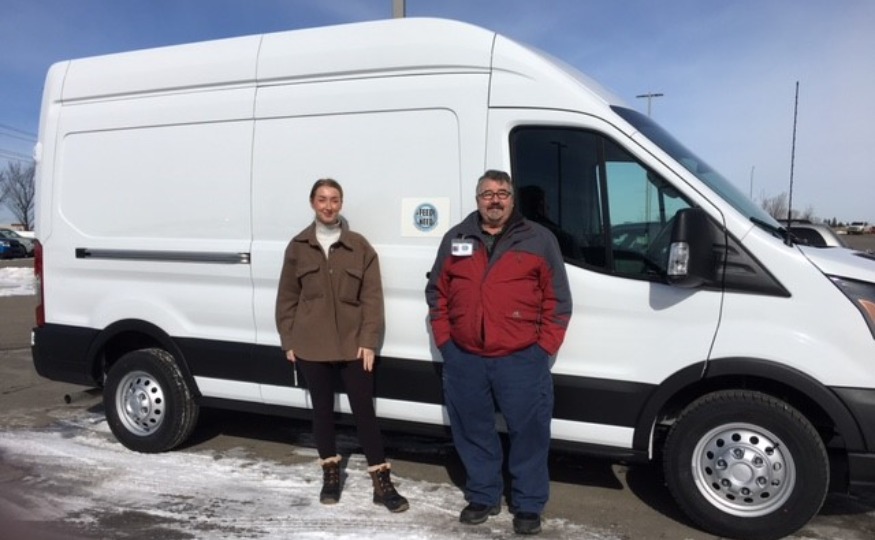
150, 212
130, 200
394, 143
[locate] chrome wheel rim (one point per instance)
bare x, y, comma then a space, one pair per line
744, 470
139, 401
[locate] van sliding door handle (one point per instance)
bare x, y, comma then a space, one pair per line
210, 257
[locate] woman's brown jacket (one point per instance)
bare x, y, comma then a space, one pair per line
328, 307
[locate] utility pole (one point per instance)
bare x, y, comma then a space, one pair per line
399, 9
649, 96
750, 194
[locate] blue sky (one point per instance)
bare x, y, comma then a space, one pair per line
727, 69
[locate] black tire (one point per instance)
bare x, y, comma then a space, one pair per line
149, 406
743, 464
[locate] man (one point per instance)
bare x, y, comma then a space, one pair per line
499, 306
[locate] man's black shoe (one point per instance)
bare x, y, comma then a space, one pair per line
476, 513
527, 523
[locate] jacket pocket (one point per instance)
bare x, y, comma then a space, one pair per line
523, 316
310, 281
350, 286
522, 323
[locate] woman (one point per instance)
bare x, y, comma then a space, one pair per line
329, 313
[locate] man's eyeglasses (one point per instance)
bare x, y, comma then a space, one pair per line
502, 194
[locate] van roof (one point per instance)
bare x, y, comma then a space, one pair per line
358, 50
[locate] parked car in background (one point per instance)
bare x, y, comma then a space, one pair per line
27, 243
815, 234
11, 248
858, 227
5, 250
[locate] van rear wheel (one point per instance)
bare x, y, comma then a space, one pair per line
744, 464
149, 406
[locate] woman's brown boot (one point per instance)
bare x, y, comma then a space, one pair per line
384, 491
330, 493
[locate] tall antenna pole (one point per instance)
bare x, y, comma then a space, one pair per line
792, 163
750, 193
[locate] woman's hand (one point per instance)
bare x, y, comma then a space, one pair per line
367, 357
290, 356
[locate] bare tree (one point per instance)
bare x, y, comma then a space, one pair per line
17, 192
807, 214
775, 206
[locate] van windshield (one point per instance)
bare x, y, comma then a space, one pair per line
703, 172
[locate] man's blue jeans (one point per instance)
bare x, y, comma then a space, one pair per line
521, 386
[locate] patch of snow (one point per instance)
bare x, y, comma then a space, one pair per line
16, 281
79, 475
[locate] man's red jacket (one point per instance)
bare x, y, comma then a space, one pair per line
494, 306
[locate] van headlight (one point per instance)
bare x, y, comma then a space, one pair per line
862, 294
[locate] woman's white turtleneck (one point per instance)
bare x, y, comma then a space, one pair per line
327, 235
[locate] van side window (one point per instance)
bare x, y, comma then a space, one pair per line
608, 211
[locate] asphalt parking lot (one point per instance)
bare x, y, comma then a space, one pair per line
862, 242
609, 500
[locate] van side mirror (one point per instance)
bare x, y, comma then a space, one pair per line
691, 251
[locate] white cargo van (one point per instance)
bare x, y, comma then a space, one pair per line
170, 180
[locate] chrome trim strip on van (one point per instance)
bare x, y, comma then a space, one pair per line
215, 257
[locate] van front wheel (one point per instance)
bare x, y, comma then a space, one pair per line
744, 464
149, 406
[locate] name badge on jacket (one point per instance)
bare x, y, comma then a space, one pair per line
460, 247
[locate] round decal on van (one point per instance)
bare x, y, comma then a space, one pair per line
425, 217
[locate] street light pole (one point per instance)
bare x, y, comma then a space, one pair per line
649, 96
398, 9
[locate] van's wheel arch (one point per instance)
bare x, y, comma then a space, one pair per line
743, 464
149, 406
